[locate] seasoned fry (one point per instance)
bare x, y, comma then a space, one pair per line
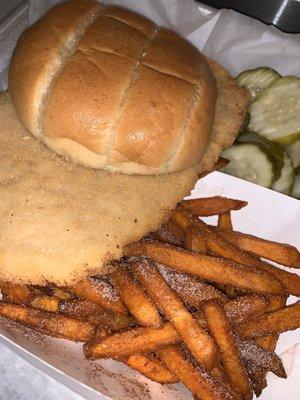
205, 207
225, 222
206, 267
282, 320
111, 321
133, 341
47, 303
198, 381
101, 332
62, 294
257, 376
221, 163
17, 293
79, 308
258, 373
281, 253
146, 339
269, 342
251, 352
245, 308
276, 302
228, 290
194, 241
152, 367
170, 233
100, 292
50, 323
241, 309
219, 327
220, 247
134, 297
191, 290
196, 339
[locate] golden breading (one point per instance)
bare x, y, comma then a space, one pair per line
61, 222
231, 106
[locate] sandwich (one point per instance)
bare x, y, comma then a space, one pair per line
108, 122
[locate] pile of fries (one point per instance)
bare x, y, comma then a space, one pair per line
191, 302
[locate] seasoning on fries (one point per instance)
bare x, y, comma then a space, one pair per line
219, 327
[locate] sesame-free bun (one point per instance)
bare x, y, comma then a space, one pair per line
107, 88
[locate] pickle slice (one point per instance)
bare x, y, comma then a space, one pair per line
257, 80
285, 183
275, 114
249, 161
293, 151
273, 150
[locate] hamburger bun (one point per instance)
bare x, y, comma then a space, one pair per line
111, 90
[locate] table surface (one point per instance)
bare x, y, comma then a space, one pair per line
21, 381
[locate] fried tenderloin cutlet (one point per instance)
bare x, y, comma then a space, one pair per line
61, 222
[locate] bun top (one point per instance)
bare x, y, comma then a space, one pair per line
109, 89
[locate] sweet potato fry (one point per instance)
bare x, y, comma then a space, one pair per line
229, 291
240, 309
50, 323
134, 297
111, 321
281, 253
198, 381
269, 342
206, 267
79, 308
62, 294
258, 373
205, 207
18, 293
220, 247
194, 241
221, 163
257, 376
169, 233
133, 341
47, 303
152, 367
245, 308
100, 292
224, 222
282, 320
276, 302
251, 352
146, 339
191, 290
196, 339
220, 329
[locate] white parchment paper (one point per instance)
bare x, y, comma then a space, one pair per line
238, 43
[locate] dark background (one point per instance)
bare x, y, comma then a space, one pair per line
285, 14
